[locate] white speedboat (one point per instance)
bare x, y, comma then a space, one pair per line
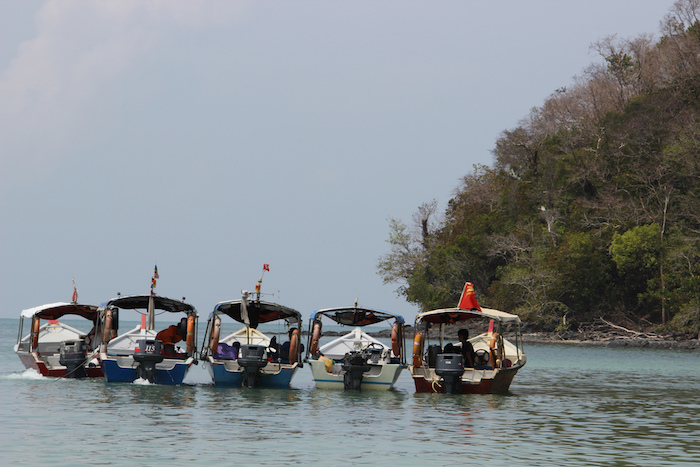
54, 348
356, 360
248, 357
139, 353
440, 366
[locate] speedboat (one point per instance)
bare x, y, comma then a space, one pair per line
140, 354
248, 357
55, 348
356, 360
496, 352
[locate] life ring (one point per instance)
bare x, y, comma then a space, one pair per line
418, 342
215, 333
495, 354
190, 334
396, 339
107, 332
315, 338
36, 324
294, 341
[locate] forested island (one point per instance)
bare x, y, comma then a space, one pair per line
589, 217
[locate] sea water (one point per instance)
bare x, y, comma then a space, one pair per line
570, 405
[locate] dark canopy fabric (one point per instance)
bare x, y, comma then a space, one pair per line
258, 312
55, 312
355, 316
161, 303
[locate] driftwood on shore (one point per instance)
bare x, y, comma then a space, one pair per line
604, 333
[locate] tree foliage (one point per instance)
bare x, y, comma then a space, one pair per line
592, 206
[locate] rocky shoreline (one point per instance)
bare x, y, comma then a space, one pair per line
652, 342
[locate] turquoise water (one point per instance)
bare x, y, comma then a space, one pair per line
570, 405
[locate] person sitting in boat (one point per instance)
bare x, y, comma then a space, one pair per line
467, 349
273, 350
172, 335
284, 349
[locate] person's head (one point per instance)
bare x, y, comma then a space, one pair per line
463, 335
291, 331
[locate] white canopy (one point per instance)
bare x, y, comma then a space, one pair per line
458, 314
30, 312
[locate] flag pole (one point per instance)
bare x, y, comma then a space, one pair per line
151, 301
74, 299
258, 286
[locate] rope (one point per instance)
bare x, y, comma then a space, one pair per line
82, 365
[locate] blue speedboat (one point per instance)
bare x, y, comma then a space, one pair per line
248, 357
143, 353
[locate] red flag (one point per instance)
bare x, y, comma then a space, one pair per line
266, 267
75, 293
468, 300
153, 280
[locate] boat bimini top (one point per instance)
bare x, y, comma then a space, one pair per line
454, 315
255, 312
59, 309
134, 302
355, 316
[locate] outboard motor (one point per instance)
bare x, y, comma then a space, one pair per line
450, 368
354, 365
252, 360
72, 355
150, 352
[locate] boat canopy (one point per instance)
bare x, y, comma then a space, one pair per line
56, 310
161, 303
453, 315
355, 316
257, 311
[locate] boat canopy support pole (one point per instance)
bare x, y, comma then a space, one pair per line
151, 314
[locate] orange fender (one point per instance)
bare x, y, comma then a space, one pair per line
215, 334
294, 342
107, 331
36, 324
418, 342
190, 334
315, 338
396, 339
495, 354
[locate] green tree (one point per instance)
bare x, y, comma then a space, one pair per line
637, 255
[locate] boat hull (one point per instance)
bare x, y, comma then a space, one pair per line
490, 382
168, 372
32, 361
278, 378
382, 380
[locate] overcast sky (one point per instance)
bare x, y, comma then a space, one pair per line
211, 137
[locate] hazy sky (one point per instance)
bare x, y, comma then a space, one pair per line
211, 137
